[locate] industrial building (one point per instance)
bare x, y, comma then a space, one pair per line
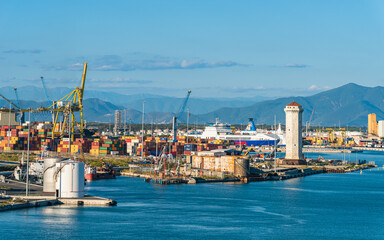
8, 118
117, 126
234, 165
372, 124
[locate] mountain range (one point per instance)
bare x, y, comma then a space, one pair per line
153, 103
347, 105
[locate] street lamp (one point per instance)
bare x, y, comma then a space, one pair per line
187, 123
142, 134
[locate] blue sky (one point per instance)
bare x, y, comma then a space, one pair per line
253, 48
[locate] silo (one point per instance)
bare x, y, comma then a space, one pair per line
70, 179
241, 167
49, 184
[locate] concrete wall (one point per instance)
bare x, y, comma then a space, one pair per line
217, 164
293, 135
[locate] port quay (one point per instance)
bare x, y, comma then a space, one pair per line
192, 120
104, 176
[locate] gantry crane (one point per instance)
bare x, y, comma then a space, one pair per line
66, 107
177, 115
10, 109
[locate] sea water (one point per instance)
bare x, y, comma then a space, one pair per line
322, 206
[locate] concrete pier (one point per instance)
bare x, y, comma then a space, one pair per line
39, 198
88, 201
84, 201
29, 204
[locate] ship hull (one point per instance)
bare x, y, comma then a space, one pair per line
99, 176
256, 142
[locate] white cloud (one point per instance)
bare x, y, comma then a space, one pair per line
118, 63
315, 87
296, 65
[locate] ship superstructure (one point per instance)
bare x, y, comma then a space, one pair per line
249, 137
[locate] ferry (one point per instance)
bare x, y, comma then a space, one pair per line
249, 137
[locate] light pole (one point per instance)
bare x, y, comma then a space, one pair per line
187, 123
142, 134
9, 126
29, 133
125, 121
130, 121
69, 130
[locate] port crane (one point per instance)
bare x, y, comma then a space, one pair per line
10, 109
177, 115
18, 103
44, 88
66, 108
161, 162
308, 124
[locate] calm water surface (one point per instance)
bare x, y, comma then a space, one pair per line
324, 206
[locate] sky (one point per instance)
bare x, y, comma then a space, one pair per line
217, 49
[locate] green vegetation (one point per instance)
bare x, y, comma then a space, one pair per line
10, 202
211, 177
228, 176
113, 162
15, 156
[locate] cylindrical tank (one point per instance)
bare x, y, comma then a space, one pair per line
70, 179
241, 167
49, 183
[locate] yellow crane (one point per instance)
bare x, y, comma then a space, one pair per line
331, 135
67, 106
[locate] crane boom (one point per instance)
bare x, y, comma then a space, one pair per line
308, 124
310, 119
17, 97
21, 116
44, 88
6, 99
182, 107
83, 82
177, 115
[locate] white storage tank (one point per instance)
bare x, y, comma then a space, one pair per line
49, 183
70, 179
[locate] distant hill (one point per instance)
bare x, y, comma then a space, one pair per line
96, 110
348, 104
154, 103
